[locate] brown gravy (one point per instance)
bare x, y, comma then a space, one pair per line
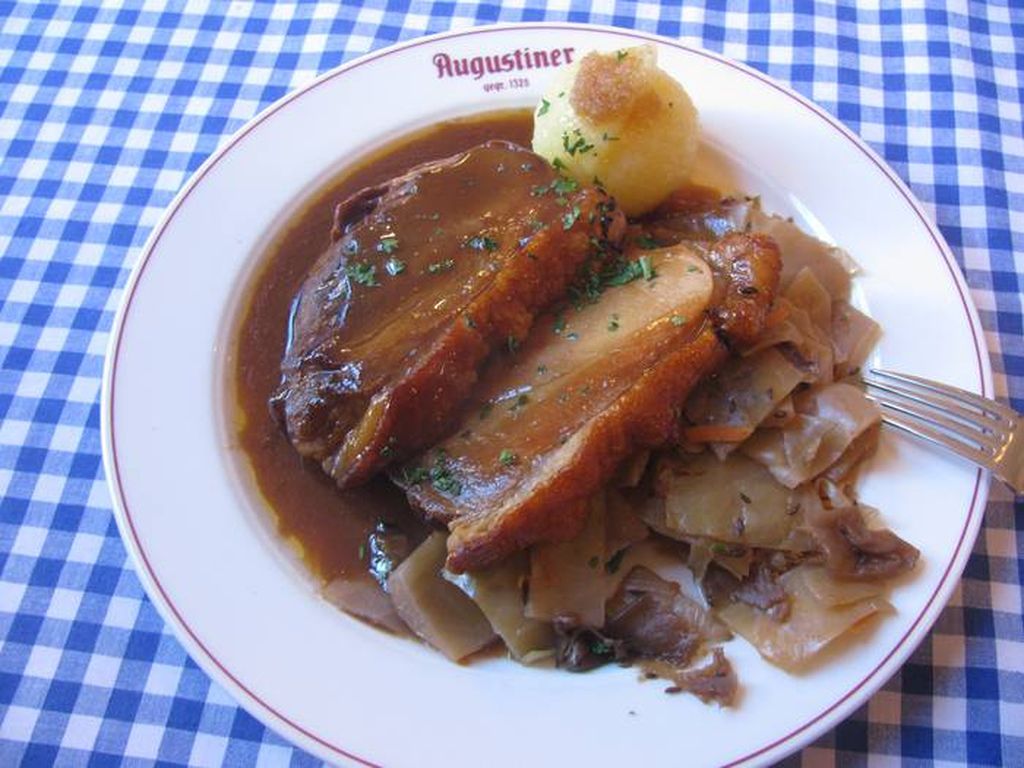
329, 527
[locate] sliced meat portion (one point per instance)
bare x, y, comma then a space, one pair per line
588, 388
426, 274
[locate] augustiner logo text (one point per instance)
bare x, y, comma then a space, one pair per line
517, 60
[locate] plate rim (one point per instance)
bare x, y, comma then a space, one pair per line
798, 736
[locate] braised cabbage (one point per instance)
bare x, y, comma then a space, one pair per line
433, 608
812, 624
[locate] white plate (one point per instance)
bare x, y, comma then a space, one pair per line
253, 620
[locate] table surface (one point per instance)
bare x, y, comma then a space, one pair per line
105, 110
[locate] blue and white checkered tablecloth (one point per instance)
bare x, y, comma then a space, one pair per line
106, 108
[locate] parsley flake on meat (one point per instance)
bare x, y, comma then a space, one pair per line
440, 266
388, 244
362, 273
569, 217
440, 475
482, 243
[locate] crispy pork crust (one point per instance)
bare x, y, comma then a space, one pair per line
549, 504
338, 402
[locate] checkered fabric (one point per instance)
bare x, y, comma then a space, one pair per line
105, 109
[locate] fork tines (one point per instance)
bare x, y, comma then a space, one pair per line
962, 421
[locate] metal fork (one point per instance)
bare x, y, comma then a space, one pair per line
983, 431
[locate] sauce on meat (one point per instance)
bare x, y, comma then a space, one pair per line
329, 527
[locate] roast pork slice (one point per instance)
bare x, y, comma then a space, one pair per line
589, 387
425, 276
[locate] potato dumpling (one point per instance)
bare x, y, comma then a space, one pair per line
618, 118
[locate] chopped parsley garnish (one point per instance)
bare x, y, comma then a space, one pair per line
678, 320
542, 369
545, 105
564, 186
601, 272
440, 266
512, 343
440, 476
444, 483
507, 457
569, 217
628, 271
647, 242
600, 648
575, 143
693, 268
620, 55
561, 186
613, 324
362, 551
744, 497
572, 336
587, 288
352, 247
387, 452
394, 266
558, 164
388, 244
482, 243
364, 274
606, 137
414, 475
